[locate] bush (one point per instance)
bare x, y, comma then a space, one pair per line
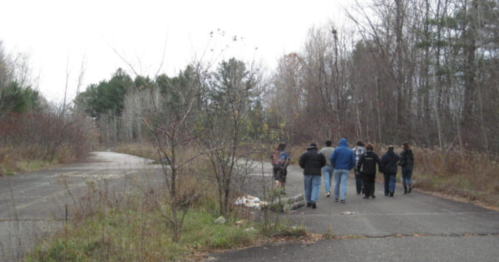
47, 137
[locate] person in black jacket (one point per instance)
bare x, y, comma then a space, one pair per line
407, 163
389, 162
367, 165
312, 162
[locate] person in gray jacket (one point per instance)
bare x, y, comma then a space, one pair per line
327, 170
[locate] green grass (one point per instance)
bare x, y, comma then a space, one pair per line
18, 167
120, 235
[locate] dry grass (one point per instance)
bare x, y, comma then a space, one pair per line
111, 225
131, 226
466, 174
137, 149
13, 161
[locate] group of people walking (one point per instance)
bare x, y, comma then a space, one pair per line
337, 162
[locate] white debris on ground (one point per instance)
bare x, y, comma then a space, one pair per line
250, 201
220, 220
347, 213
281, 205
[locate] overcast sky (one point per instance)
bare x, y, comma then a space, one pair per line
60, 33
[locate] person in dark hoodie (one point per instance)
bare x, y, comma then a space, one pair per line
407, 163
367, 165
342, 160
389, 162
312, 162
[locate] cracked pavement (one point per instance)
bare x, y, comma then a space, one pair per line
413, 227
34, 204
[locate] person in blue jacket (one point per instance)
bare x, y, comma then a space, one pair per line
343, 160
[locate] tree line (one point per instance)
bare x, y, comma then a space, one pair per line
423, 71
32, 129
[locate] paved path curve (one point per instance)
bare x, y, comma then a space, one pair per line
35, 203
414, 227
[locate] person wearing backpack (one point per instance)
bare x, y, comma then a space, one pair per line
407, 164
367, 165
389, 161
280, 160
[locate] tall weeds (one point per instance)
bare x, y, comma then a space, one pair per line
464, 173
113, 224
43, 137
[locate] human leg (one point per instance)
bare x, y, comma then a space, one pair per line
331, 180
409, 177
337, 180
316, 184
358, 181
344, 178
284, 173
386, 177
277, 176
308, 188
404, 179
367, 188
373, 184
393, 180
326, 173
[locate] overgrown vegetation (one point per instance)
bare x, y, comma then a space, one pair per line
135, 234
33, 133
468, 174
128, 226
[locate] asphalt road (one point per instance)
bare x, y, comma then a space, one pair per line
34, 204
413, 227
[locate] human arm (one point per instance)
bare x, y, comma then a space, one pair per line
332, 159
361, 162
302, 160
380, 164
402, 158
323, 160
352, 160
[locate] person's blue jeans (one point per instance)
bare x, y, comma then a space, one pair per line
312, 186
340, 178
407, 176
390, 179
359, 181
327, 173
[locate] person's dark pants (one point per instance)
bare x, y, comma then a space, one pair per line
280, 174
359, 183
390, 179
407, 176
369, 184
